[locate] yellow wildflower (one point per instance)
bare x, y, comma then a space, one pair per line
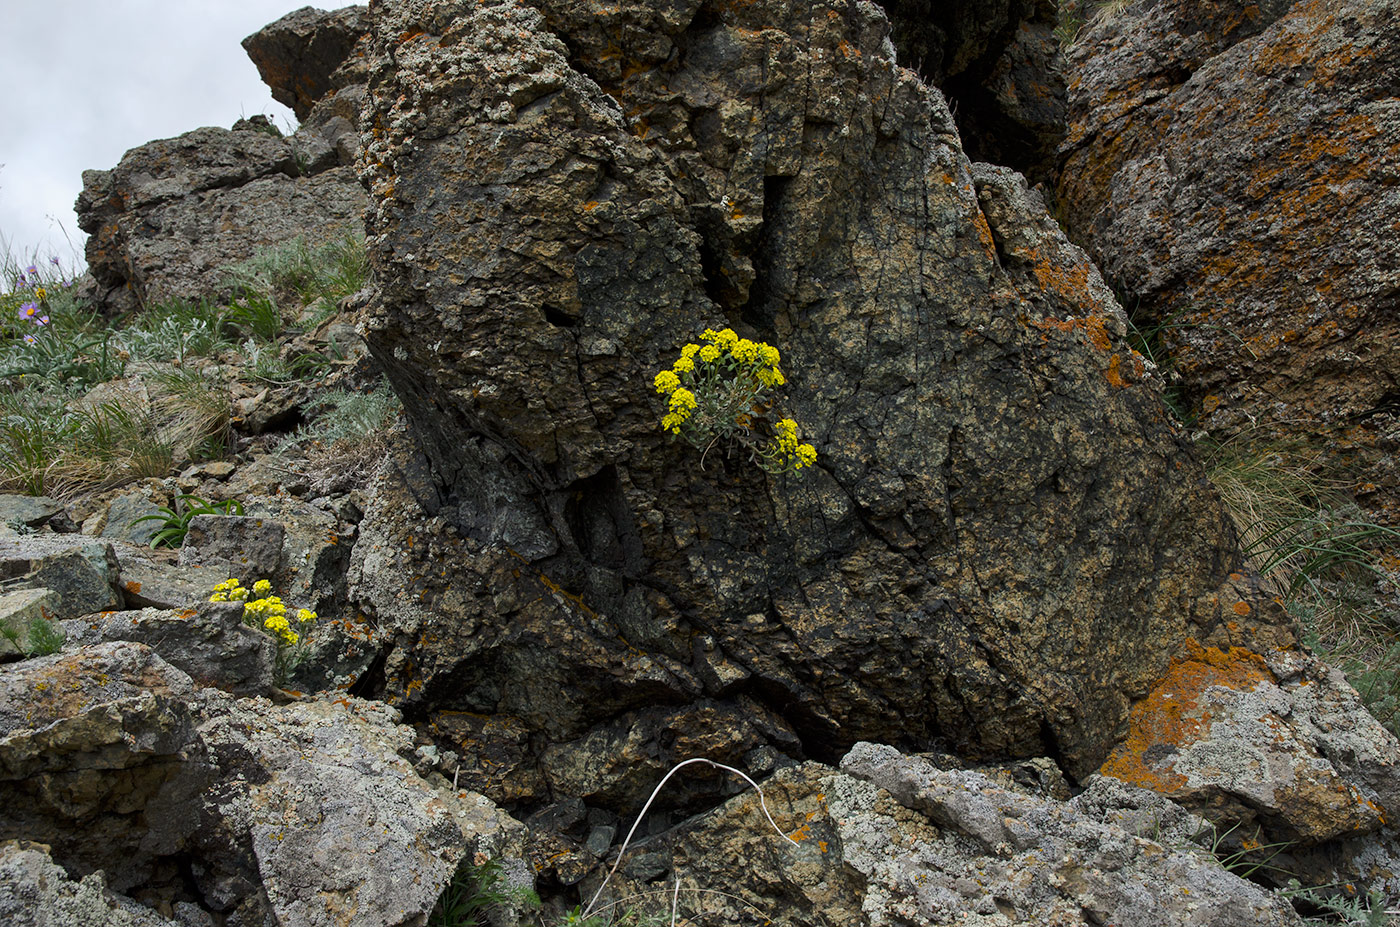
666, 381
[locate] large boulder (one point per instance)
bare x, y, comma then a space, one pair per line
99, 760
174, 214
1004, 539
1231, 165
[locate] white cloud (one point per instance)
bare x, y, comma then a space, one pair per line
87, 80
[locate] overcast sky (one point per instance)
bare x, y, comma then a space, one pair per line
86, 80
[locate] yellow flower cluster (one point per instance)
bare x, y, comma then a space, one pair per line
719, 388
784, 452
266, 611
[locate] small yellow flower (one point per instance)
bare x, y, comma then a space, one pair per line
709, 354
683, 401
683, 365
666, 381
690, 350
305, 614
261, 588
40, 292
806, 455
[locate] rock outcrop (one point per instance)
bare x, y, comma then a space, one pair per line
1232, 167
174, 214
1004, 539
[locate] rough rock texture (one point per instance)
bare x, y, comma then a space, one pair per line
81, 572
1232, 165
99, 759
35, 892
167, 219
318, 819
315, 62
248, 546
1003, 540
894, 840
209, 642
999, 64
298, 55
1282, 743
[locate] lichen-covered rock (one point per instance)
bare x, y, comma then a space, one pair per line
1278, 743
1231, 165
246, 546
81, 572
169, 218
319, 814
894, 840
99, 759
36, 892
210, 642
1003, 539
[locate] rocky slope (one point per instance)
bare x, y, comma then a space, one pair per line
1006, 565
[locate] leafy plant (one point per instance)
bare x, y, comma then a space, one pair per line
1349, 909
41, 638
720, 391
475, 890
324, 274
176, 518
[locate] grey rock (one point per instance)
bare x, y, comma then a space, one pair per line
982, 853
1281, 745
210, 642
80, 571
155, 579
319, 806
249, 547
124, 511
36, 892
32, 511
99, 759
894, 840
175, 213
21, 607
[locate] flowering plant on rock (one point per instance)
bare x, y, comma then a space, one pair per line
267, 613
720, 390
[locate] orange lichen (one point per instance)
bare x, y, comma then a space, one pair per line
1242, 608
133, 587
1093, 327
1134, 370
1172, 715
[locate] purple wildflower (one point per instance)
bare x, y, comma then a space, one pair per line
42, 320
30, 339
27, 311
31, 269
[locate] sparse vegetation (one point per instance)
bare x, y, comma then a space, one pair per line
1303, 531
87, 404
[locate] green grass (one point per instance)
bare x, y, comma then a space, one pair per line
316, 277
178, 364
1335, 568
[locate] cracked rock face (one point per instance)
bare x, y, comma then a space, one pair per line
1232, 166
1003, 539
